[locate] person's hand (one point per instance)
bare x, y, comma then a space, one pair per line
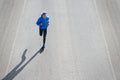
41, 24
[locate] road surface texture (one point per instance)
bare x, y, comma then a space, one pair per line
82, 42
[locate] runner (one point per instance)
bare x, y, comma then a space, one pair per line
43, 23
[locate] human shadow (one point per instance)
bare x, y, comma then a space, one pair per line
15, 71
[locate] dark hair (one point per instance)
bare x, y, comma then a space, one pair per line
43, 14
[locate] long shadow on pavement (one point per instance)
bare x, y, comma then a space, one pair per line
15, 71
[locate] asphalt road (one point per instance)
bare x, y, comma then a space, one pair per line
76, 47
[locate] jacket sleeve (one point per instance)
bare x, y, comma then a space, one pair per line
38, 22
48, 21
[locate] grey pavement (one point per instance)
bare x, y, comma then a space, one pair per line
82, 42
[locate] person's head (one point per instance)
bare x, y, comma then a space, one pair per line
44, 15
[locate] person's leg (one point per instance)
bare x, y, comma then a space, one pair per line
44, 37
40, 32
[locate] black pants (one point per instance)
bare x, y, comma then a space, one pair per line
43, 32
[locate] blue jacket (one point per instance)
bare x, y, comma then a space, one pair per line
43, 23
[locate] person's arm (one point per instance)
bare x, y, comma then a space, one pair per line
48, 21
39, 21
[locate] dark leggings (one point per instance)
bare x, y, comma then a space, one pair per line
43, 32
